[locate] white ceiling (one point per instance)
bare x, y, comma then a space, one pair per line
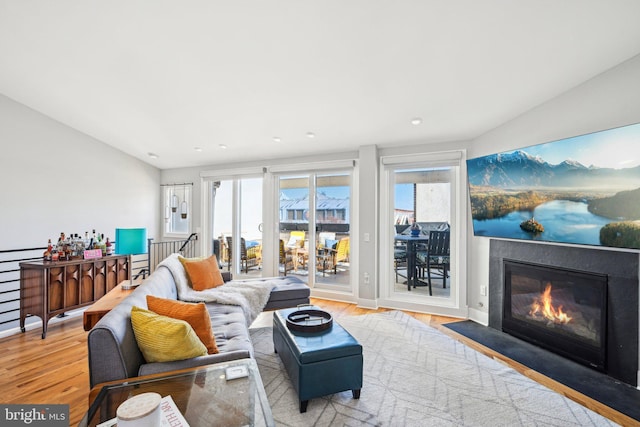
166, 76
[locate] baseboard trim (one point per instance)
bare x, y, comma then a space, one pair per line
368, 303
481, 317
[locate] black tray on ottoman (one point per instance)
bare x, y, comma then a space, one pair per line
309, 320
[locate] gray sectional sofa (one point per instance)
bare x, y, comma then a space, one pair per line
114, 352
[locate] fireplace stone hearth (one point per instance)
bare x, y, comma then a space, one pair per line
621, 269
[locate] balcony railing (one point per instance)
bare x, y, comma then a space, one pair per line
10, 283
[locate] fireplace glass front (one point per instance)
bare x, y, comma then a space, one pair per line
564, 311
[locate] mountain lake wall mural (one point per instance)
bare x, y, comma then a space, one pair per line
581, 190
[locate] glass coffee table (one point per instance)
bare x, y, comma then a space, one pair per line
204, 395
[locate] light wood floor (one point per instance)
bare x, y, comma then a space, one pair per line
55, 370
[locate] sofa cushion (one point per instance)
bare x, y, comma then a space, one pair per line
203, 273
289, 291
195, 314
164, 339
229, 327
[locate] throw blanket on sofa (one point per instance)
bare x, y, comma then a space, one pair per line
251, 295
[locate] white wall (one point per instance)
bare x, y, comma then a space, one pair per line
609, 100
56, 179
368, 218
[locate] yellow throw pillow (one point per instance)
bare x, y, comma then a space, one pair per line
195, 314
203, 273
164, 339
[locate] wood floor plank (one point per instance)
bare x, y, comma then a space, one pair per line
55, 370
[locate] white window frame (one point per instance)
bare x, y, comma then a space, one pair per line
167, 191
456, 304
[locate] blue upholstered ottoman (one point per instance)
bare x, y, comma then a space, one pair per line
318, 363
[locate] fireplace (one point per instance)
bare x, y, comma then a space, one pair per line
613, 343
561, 310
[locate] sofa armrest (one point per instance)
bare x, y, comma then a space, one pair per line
159, 367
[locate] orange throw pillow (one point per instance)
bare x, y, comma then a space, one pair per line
203, 273
195, 314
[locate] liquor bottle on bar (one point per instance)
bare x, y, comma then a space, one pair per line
48, 251
73, 246
79, 245
102, 245
60, 254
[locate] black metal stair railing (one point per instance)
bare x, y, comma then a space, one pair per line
157, 251
10, 283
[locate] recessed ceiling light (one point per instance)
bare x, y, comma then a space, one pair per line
311, 135
153, 155
224, 147
198, 149
416, 121
276, 139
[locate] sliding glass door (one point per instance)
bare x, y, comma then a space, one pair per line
236, 224
293, 231
333, 233
314, 227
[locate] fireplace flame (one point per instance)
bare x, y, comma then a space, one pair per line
543, 306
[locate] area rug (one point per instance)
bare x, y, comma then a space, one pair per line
415, 375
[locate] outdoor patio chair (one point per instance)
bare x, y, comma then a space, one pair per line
249, 258
399, 258
296, 239
436, 257
286, 257
323, 236
329, 257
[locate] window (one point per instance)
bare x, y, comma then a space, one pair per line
422, 196
422, 267
177, 202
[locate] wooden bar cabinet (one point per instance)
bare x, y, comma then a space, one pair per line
50, 288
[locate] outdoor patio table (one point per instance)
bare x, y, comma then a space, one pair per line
412, 266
